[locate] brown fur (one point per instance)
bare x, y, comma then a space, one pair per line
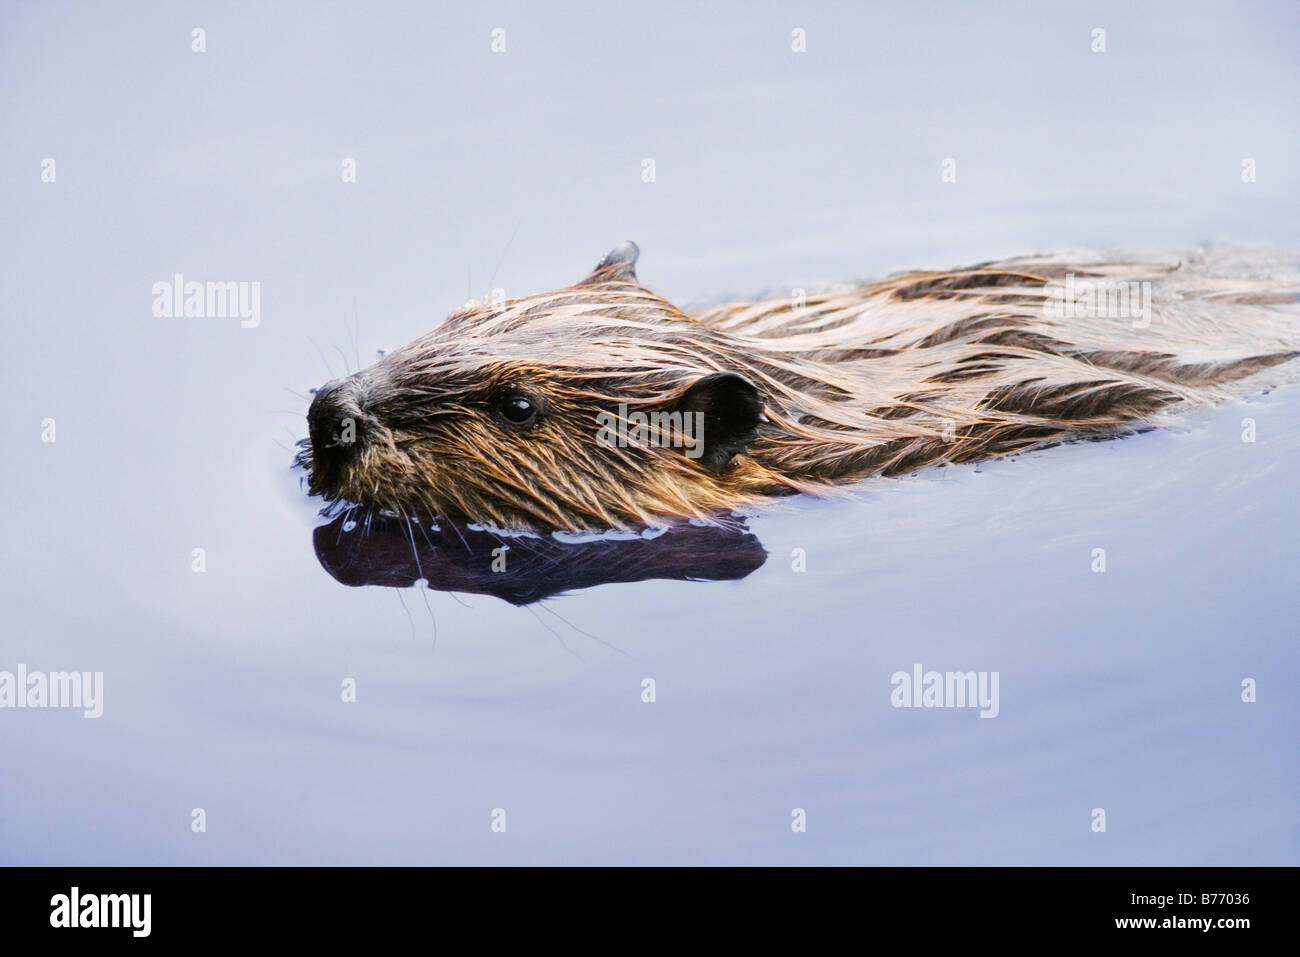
877, 379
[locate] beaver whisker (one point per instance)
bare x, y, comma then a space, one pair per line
402, 602
415, 552
563, 643
343, 525
542, 605
347, 369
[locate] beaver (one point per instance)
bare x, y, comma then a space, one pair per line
509, 413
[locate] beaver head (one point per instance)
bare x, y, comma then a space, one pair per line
598, 405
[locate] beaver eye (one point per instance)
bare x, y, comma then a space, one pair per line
517, 410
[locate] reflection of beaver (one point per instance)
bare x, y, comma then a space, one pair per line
396, 553
501, 413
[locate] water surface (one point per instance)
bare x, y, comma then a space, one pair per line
1118, 690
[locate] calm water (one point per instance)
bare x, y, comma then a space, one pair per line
1118, 690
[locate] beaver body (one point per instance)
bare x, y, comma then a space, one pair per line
502, 413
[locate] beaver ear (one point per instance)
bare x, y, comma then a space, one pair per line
731, 410
619, 265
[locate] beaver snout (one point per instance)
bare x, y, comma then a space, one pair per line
334, 420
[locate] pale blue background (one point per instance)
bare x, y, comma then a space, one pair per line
1118, 690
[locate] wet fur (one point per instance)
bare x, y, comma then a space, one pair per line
878, 379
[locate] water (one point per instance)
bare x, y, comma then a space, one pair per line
1118, 690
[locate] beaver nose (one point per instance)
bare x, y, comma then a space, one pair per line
334, 419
